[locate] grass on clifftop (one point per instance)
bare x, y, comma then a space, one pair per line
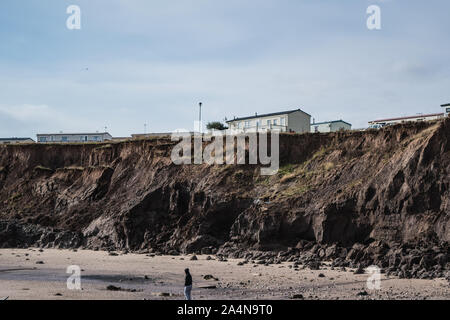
42, 168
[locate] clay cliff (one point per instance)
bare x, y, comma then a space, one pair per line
378, 196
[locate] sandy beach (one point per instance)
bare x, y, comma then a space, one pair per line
34, 274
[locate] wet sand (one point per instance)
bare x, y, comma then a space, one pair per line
162, 277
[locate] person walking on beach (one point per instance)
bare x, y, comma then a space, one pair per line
187, 284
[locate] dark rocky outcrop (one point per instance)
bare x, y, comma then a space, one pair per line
15, 234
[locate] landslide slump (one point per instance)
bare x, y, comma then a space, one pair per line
338, 189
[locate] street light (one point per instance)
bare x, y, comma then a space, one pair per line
200, 117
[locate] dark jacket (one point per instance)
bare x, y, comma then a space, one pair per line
188, 280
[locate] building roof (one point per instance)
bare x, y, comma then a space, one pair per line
71, 134
15, 139
268, 115
334, 121
410, 117
445, 105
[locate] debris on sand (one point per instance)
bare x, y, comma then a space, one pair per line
221, 258
359, 270
313, 265
114, 288
208, 287
210, 277
173, 253
161, 294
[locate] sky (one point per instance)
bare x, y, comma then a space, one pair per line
136, 62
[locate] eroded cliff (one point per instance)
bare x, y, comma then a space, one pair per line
363, 197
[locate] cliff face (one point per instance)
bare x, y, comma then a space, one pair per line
390, 185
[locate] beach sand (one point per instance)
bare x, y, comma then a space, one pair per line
148, 277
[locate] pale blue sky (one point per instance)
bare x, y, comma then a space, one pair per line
153, 61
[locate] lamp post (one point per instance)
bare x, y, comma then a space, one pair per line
200, 117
